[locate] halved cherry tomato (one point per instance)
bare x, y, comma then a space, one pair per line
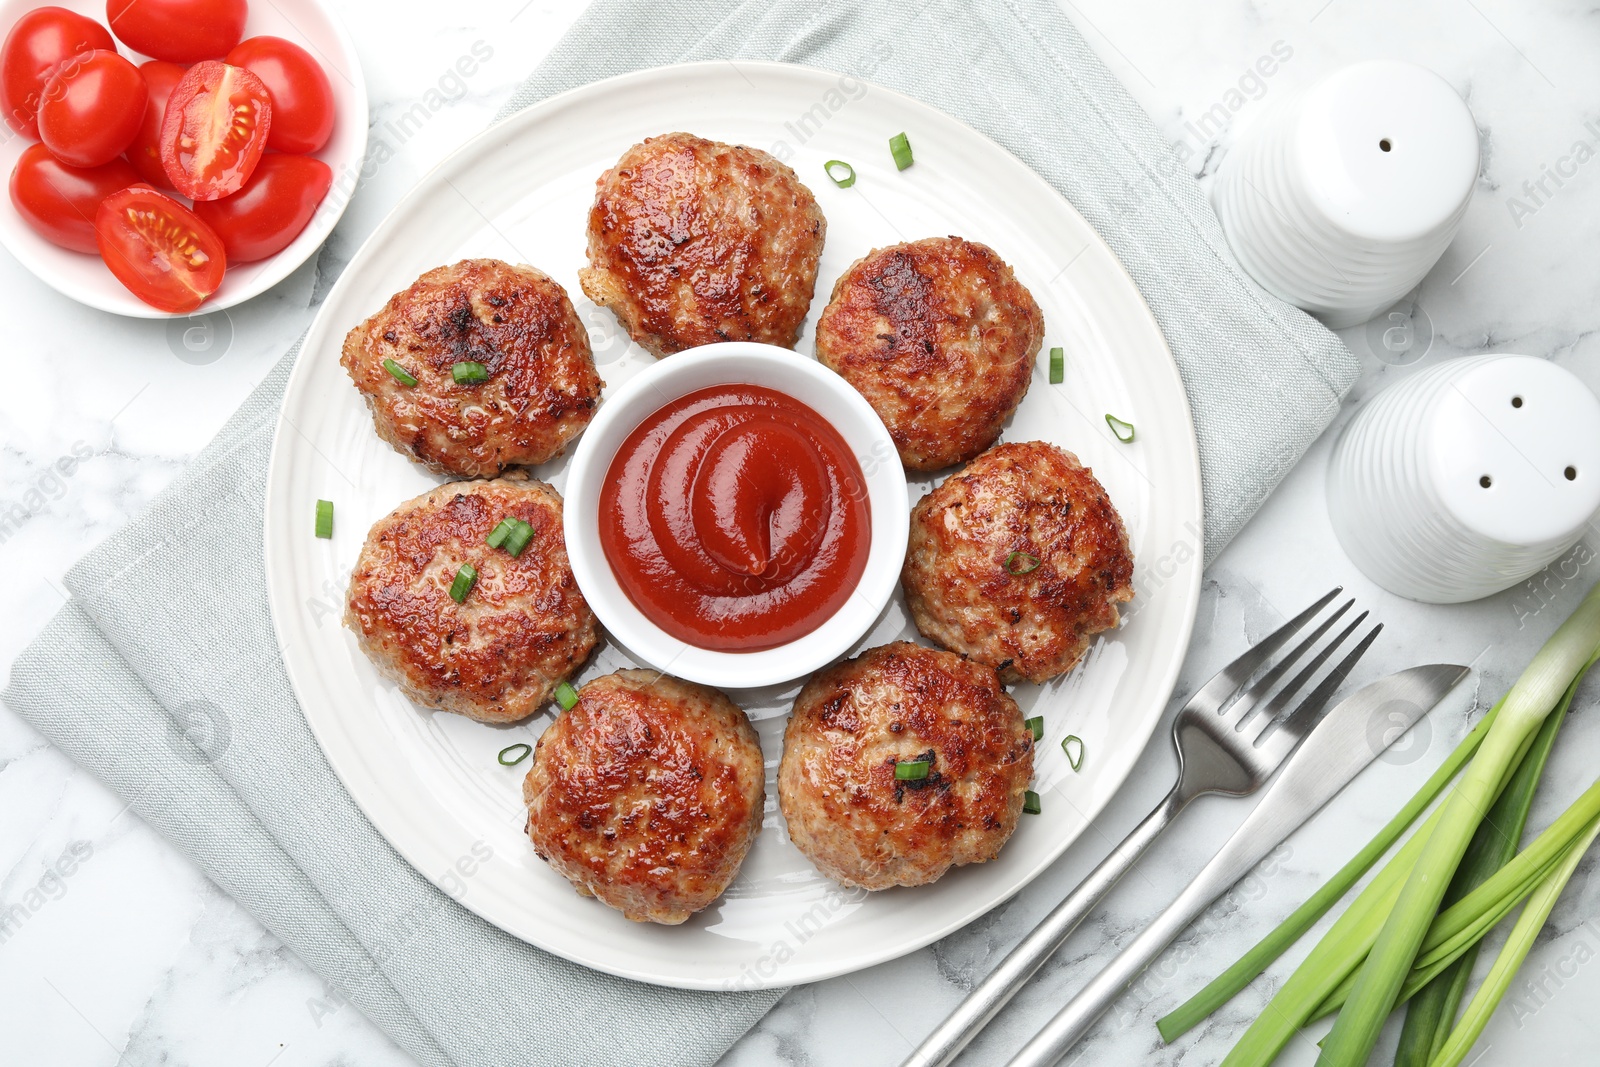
302, 98
160, 77
264, 217
91, 109
216, 127
158, 249
181, 31
59, 201
34, 48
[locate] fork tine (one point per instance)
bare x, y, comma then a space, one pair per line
1300, 721
1281, 701
1263, 687
1230, 679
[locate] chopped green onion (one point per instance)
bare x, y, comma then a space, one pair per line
1072, 745
849, 178
498, 535
324, 518
1123, 430
469, 373
517, 540
1030, 803
465, 579
911, 770
1035, 727
523, 751
900, 148
1021, 563
566, 696
400, 374
1058, 366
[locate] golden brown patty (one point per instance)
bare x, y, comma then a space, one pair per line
522, 628
940, 337
517, 322
903, 703
647, 793
1017, 561
693, 242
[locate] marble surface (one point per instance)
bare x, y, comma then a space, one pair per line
129, 956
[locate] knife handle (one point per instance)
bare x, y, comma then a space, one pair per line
1074, 1021
1024, 961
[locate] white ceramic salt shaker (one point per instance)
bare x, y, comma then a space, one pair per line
1342, 197
1468, 477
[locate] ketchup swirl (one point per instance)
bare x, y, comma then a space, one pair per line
735, 518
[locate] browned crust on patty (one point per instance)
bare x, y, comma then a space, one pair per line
516, 321
903, 702
647, 794
523, 628
692, 242
1031, 498
940, 338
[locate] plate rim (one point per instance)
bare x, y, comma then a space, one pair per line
1193, 511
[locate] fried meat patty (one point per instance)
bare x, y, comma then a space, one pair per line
523, 627
903, 703
542, 385
647, 793
694, 241
1017, 561
940, 338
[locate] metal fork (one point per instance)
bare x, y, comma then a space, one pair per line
1223, 747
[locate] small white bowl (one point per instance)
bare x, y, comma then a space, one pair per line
738, 363
312, 24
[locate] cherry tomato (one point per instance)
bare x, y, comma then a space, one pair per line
158, 249
182, 31
60, 201
302, 98
264, 217
91, 109
160, 77
36, 45
216, 127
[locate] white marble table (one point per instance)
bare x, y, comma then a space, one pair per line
135, 958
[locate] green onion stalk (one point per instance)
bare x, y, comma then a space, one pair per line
1517, 946
1432, 1011
1387, 965
1323, 980
1462, 925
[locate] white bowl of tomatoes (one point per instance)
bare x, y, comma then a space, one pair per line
174, 157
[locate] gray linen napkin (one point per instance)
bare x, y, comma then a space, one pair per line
163, 676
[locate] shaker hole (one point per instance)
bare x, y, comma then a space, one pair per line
1385, 145
1516, 401
1486, 481
1572, 474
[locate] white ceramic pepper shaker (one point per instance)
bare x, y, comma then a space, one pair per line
1342, 197
1468, 477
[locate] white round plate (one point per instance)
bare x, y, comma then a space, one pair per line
311, 24
520, 192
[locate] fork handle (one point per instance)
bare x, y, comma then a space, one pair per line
1024, 961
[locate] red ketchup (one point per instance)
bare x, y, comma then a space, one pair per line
736, 519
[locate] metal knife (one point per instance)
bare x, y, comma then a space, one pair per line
1352, 735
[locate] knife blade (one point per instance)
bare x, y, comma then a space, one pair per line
1359, 729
